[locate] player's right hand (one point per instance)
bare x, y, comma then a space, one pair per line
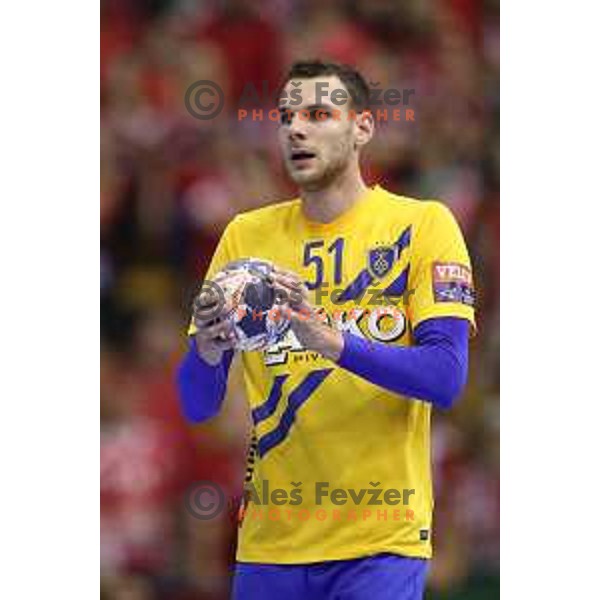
214, 334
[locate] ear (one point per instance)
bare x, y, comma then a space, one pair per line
364, 128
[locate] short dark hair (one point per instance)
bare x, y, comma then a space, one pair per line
349, 76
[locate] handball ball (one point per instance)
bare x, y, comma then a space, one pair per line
254, 311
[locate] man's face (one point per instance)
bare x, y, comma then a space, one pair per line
316, 136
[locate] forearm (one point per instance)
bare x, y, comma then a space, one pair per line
434, 370
202, 386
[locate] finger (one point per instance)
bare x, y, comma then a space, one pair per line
207, 298
212, 331
222, 345
286, 294
216, 344
293, 280
216, 333
209, 305
306, 312
290, 283
301, 313
286, 278
290, 277
204, 319
289, 289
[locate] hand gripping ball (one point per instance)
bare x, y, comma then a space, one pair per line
254, 310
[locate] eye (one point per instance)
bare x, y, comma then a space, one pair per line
285, 117
319, 114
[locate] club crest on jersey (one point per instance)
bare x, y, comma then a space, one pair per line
381, 260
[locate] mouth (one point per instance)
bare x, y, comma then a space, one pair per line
302, 158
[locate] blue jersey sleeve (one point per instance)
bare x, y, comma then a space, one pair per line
201, 386
434, 370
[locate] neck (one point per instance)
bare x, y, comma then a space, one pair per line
327, 204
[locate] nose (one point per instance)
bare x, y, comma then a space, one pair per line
297, 128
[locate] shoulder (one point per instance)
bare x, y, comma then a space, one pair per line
419, 210
266, 216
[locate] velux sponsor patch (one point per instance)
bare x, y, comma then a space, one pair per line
453, 282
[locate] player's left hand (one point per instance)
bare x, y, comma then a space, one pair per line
307, 321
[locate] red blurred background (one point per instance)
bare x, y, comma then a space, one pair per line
169, 184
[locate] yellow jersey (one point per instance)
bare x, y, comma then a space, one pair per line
340, 468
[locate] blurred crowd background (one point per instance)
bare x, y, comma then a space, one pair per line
170, 183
